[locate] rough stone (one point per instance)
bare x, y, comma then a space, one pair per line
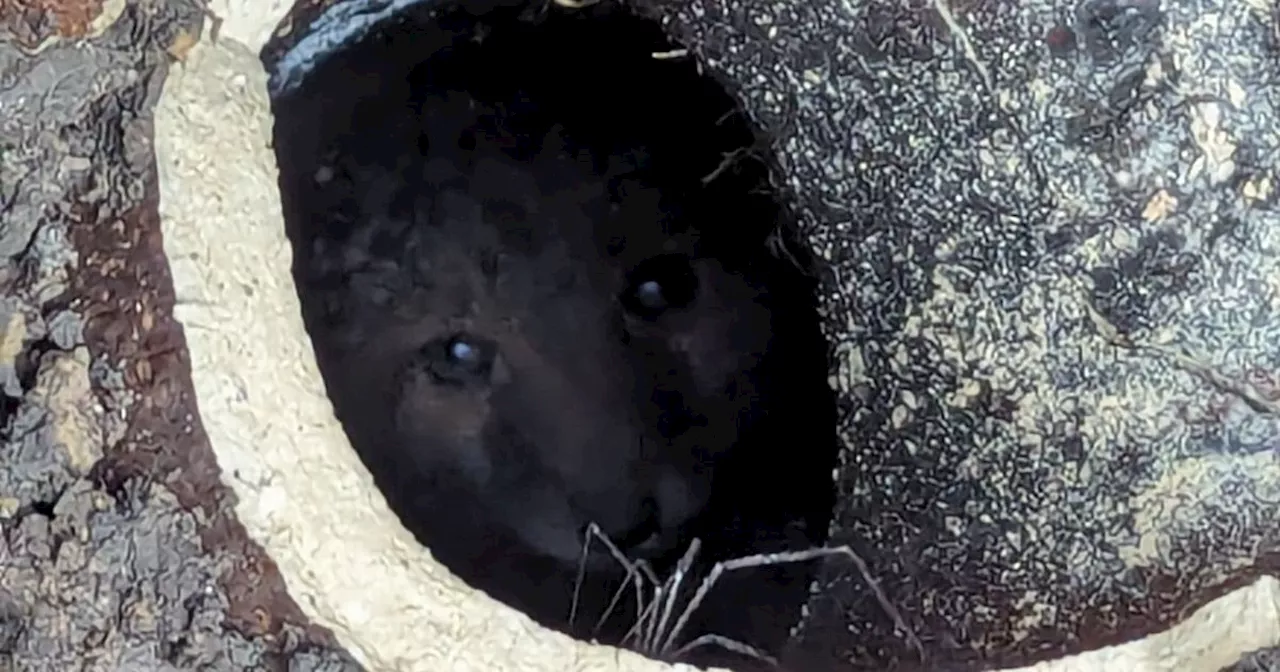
117, 548
1052, 240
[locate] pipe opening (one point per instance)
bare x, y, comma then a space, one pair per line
549, 284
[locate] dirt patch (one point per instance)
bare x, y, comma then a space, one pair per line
32, 23
120, 547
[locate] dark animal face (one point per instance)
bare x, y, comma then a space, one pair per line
542, 385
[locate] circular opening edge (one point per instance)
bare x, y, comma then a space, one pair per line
302, 492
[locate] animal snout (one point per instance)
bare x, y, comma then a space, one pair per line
644, 528
659, 518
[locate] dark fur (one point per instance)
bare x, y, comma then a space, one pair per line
590, 407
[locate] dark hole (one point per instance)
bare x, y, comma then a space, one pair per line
44, 508
518, 175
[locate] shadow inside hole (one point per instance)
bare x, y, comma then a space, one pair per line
534, 257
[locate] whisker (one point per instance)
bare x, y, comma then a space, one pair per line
636, 572
762, 560
582, 575
677, 577
635, 578
727, 644
657, 600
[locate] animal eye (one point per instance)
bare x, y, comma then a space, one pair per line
649, 293
659, 284
462, 352
460, 359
